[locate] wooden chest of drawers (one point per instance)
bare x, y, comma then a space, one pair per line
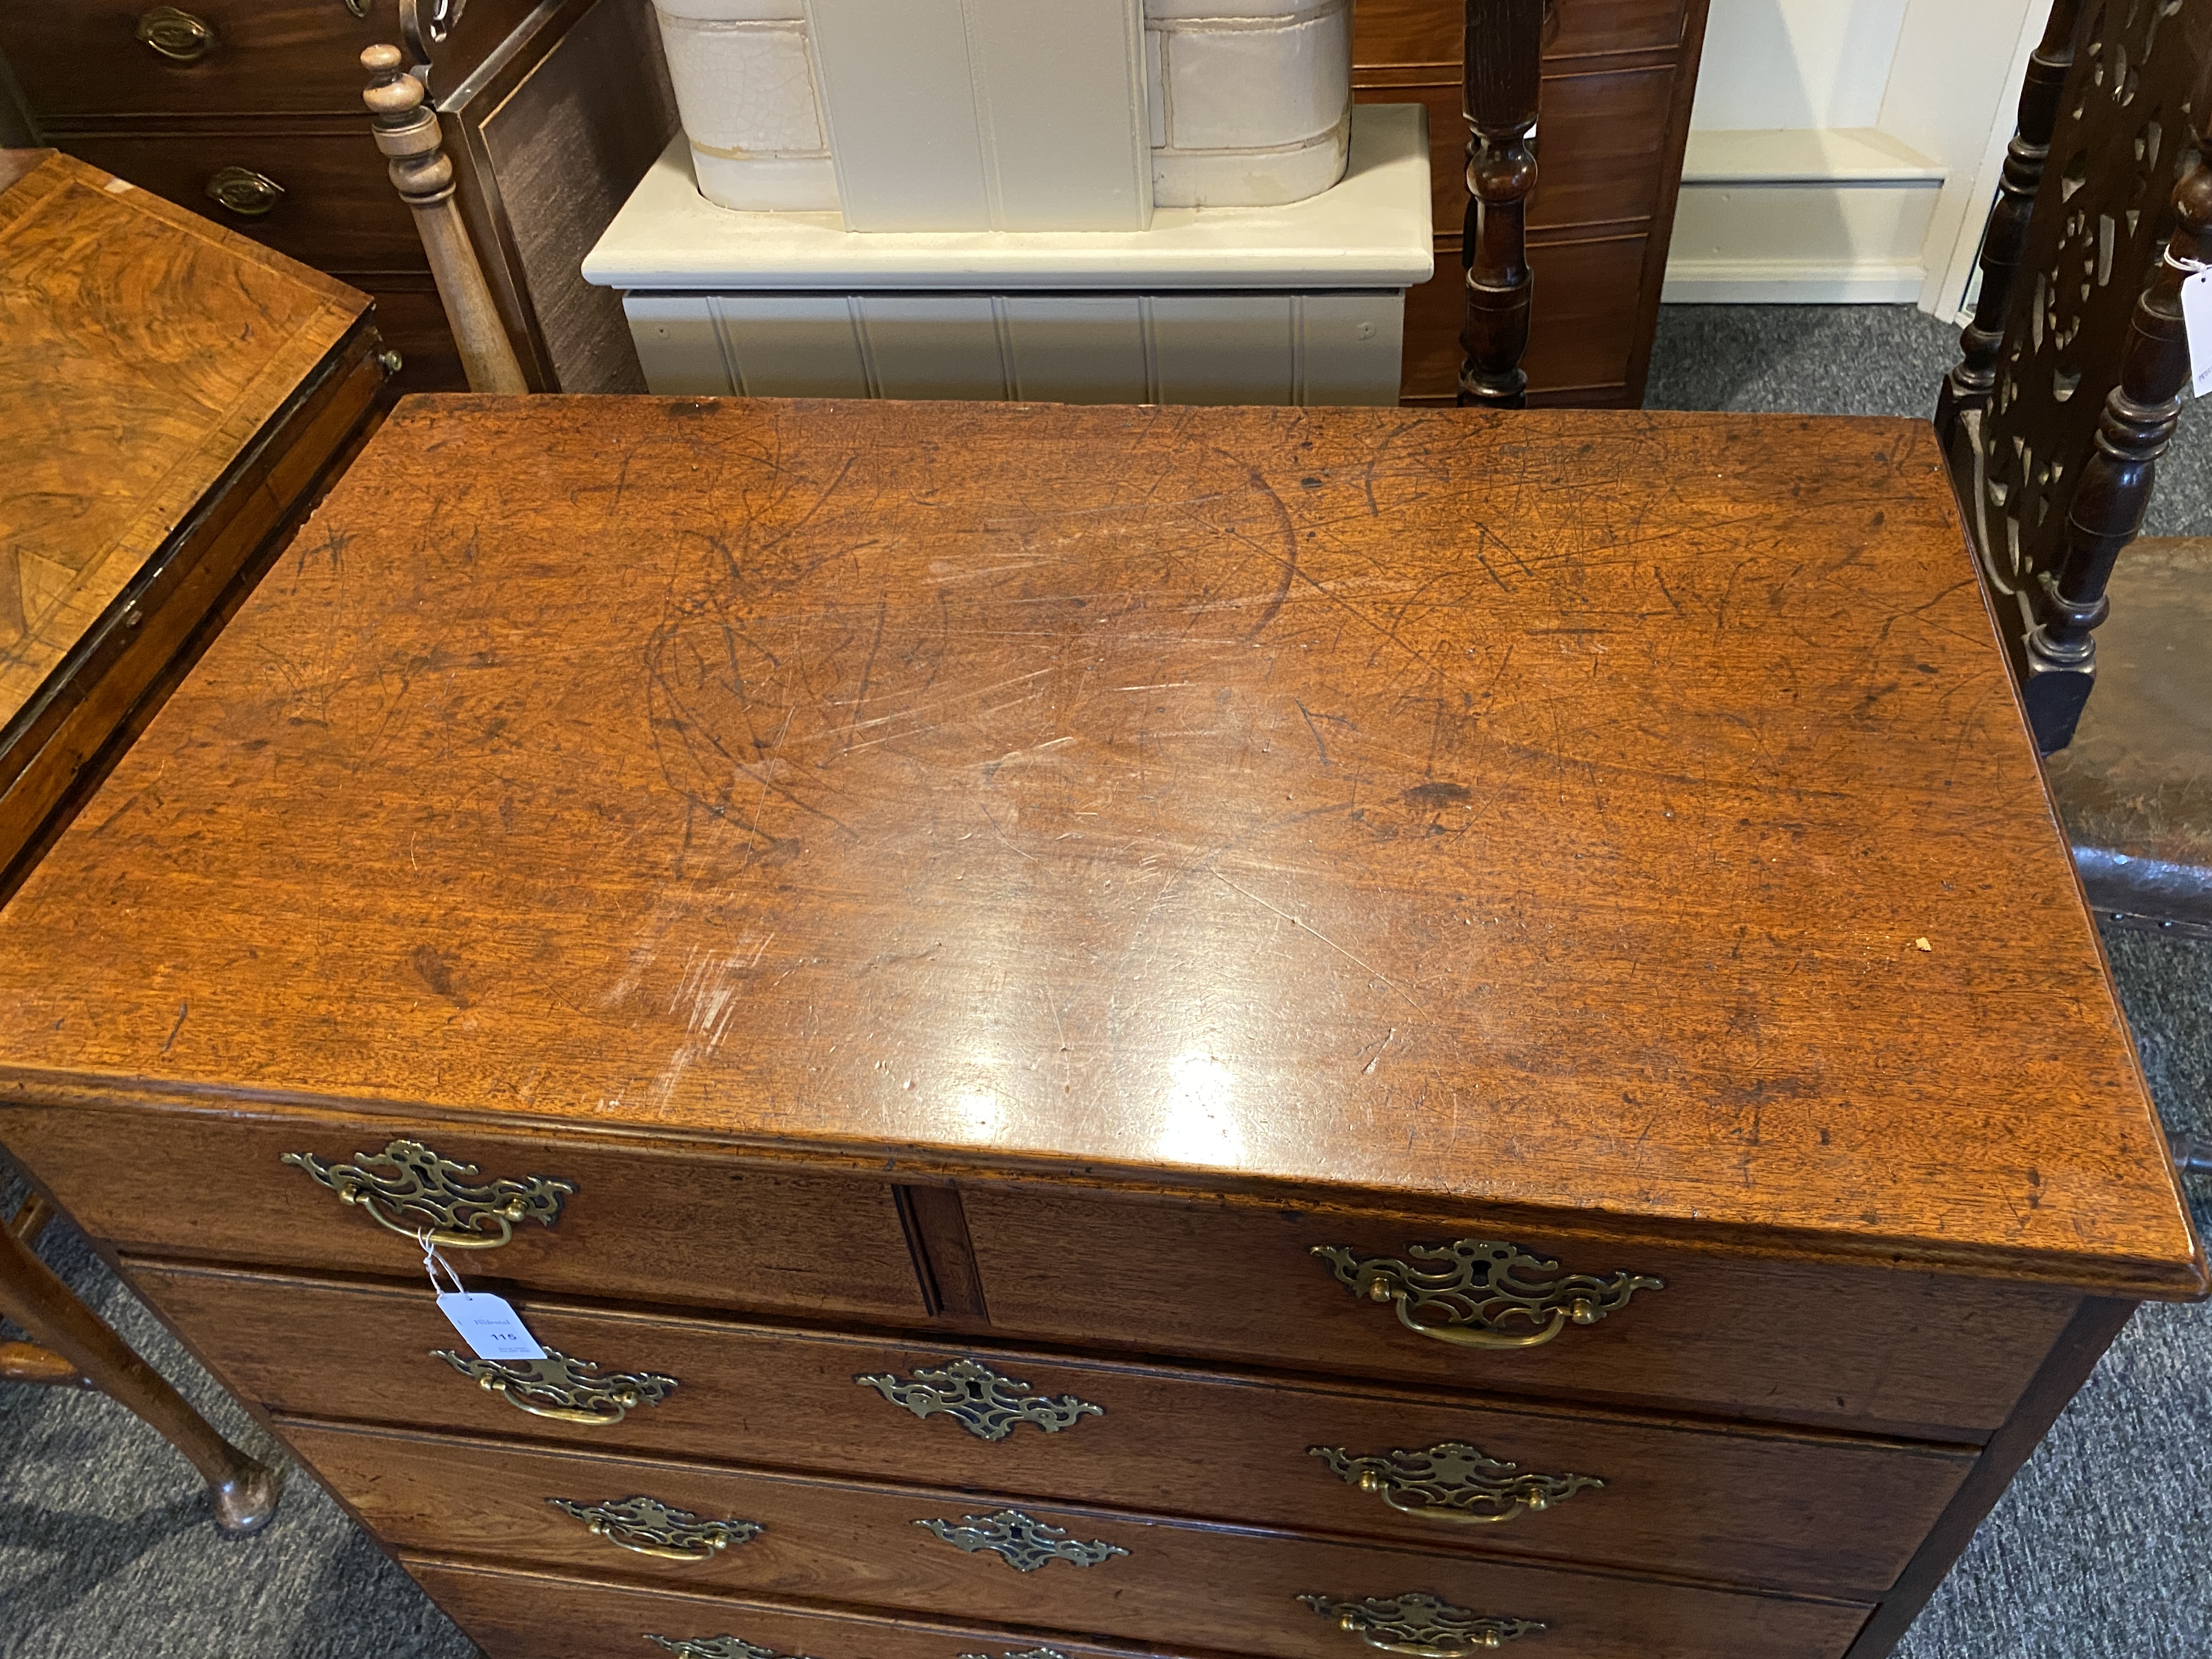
1619, 78
172, 98
1113, 1031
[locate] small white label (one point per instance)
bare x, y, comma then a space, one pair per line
2196, 318
491, 1329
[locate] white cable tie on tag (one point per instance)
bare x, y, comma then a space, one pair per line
492, 1329
2196, 323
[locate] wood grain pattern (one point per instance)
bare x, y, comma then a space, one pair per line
1361, 824
1780, 1509
1231, 1589
146, 348
645, 1222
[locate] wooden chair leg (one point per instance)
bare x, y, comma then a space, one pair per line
407, 132
2113, 489
1504, 48
1970, 384
77, 1341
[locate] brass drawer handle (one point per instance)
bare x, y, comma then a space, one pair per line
646, 1526
1422, 1625
563, 1389
245, 191
358, 8
988, 1406
1487, 1295
177, 35
1025, 1542
718, 1647
1453, 1482
1025, 1653
412, 1189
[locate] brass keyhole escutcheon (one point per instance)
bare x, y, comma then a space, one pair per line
177, 35
245, 193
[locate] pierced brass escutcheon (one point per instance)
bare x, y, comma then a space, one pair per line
1488, 1294
243, 192
1453, 1482
988, 1406
646, 1526
410, 1188
718, 1647
1422, 1625
563, 1389
177, 35
1026, 1652
1025, 1542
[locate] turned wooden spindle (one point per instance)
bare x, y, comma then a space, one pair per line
1973, 380
2136, 423
1504, 60
407, 132
76, 1349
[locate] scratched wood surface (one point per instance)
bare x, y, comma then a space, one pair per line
1627, 815
141, 349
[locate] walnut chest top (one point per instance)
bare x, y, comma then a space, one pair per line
1625, 821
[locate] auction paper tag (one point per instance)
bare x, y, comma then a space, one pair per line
2196, 318
491, 1329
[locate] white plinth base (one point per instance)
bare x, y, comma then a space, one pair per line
1303, 303
1175, 348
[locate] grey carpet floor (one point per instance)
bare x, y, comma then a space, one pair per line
2102, 1550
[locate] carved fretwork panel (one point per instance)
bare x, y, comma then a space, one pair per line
2102, 216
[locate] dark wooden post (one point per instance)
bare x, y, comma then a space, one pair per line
1505, 48
79, 1350
2132, 432
1969, 385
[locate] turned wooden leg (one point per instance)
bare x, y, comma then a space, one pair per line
406, 130
79, 1350
1971, 383
1504, 50
2113, 489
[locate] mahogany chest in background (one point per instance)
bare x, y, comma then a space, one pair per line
1120, 1031
1617, 83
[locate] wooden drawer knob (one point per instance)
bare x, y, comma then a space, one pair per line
1483, 1293
564, 1389
646, 1526
1422, 1625
1455, 1483
177, 35
418, 1194
243, 192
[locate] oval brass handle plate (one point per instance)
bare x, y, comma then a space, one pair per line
564, 1389
245, 193
646, 1526
717, 1647
1422, 1625
1454, 1482
1486, 1294
410, 1190
177, 35
1025, 1542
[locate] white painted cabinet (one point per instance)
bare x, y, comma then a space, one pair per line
1300, 303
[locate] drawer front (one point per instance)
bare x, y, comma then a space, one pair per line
337, 211
1585, 323
1389, 33
516, 1614
80, 57
1135, 1578
661, 1227
1598, 160
1852, 1347
1728, 1505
